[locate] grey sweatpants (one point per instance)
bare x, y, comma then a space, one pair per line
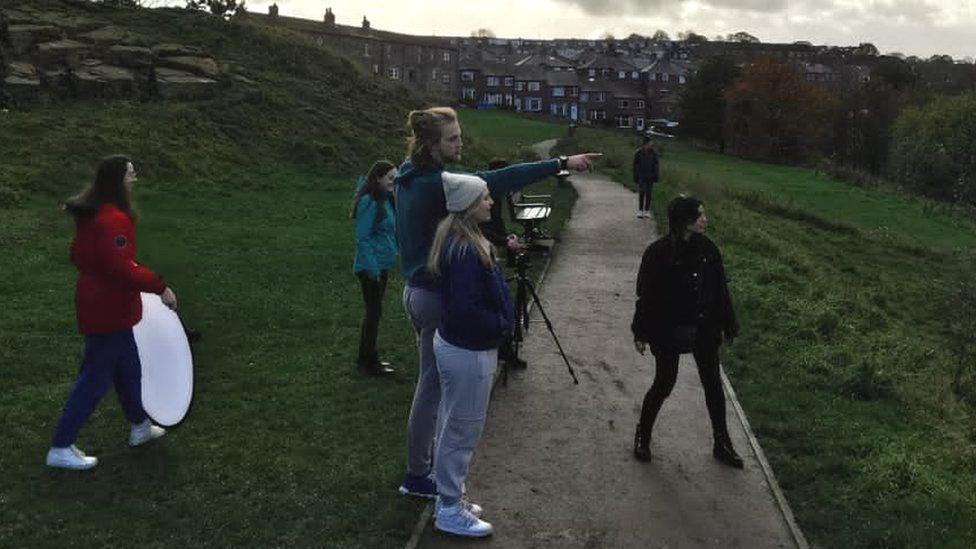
466, 378
424, 310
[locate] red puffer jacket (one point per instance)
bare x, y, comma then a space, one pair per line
107, 294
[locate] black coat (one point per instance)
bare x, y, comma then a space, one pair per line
682, 283
646, 166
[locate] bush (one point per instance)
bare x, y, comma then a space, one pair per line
933, 149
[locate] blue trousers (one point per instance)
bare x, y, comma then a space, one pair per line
109, 359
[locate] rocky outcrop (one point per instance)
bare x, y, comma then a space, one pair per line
60, 55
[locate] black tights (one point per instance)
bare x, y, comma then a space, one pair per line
667, 374
644, 201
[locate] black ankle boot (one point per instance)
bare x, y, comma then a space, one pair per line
642, 445
724, 452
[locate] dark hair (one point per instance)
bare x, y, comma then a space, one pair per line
107, 188
646, 139
682, 211
426, 127
372, 187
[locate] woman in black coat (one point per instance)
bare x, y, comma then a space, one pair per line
684, 306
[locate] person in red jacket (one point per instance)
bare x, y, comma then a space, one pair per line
107, 306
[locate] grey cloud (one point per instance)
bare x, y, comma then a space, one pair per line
665, 7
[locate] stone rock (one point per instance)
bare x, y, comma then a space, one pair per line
174, 50
110, 36
130, 56
23, 37
57, 81
22, 82
176, 84
104, 82
203, 66
62, 52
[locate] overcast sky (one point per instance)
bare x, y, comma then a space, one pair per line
912, 27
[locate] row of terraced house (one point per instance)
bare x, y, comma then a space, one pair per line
628, 84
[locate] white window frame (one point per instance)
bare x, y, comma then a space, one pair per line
623, 103
468, 93
466, 76
623, 117
519, 85
446, 57
598, 114
559, 91
640, 104
533, 86
446, 78
393, 73
509, 81
600, 97
533, 104
621, 74
492, 81
584, 96
682, 79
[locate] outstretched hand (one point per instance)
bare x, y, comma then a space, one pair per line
640, 346
582, 162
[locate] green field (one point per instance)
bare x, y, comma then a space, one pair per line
851, 306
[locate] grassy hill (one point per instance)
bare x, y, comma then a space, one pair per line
244, 203
857, 359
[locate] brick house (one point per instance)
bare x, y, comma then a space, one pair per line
663, 82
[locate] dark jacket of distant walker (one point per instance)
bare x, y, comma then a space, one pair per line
646, 168
682, 283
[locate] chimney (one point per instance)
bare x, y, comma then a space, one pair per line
365, 23
329, 17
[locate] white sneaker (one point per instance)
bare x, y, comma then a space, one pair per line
69, 457
144, 432
639, 214
457, 520
473, 508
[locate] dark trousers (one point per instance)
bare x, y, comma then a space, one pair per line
706, 358
109, 359
373, 292
644, 195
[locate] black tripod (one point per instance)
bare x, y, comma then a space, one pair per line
523, 290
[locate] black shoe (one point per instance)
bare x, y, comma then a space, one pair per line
377, 369
642, 445
517, 363
724, 452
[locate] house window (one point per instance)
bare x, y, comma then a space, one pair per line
446, 56
509, 81
366, 49
666, 77
624, 121
493, 98
559, 91
519, 86
598, 115
534, 86
466, 76
468, 94
605, 72
446, 78
591, 72
584, 96
433, 74
640, 103
393, 73
573, 91
634, 75
658, 77
376, 69
533, 104
682, 79
600, 97
623, 104
621, 74
554, 109
492, 81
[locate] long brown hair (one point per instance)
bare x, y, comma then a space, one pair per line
426, 127
372, 187
107, 188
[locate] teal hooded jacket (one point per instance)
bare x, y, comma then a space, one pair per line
421, 205
376, 247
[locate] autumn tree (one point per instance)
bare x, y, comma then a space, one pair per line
772, 113
703, 100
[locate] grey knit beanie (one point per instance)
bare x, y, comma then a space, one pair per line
462, 190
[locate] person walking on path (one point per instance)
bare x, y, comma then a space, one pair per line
107, 306
476, 316
646, 173
435, 140
374, 214
684, 305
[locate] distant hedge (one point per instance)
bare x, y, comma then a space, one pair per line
933, 149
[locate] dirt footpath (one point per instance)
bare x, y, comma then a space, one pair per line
555, 469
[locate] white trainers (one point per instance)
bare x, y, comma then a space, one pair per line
473, 508
69, 457
144, 432
458, 520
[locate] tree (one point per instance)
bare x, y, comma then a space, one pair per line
692, 37
703, 101
743, 36
866, 48
482, 33
220, 8
772, 113
660, 36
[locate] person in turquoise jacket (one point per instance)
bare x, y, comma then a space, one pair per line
376, 250
435, 141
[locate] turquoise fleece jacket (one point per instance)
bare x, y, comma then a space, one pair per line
376, 247
421, 205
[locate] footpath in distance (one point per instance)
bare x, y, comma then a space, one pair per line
554, 467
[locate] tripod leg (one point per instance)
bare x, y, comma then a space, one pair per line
552, 332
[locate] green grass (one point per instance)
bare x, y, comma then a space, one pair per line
845, 362
244, 203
